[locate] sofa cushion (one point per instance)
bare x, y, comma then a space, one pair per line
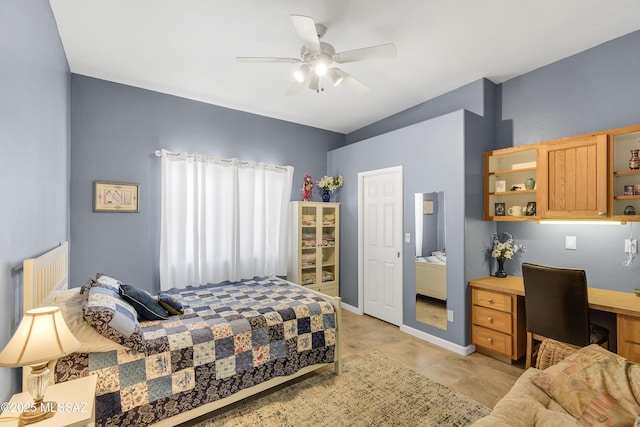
525, 405
595, 386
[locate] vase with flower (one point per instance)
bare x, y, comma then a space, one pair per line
329, 184
502, 249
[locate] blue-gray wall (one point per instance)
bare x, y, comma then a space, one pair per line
437, 154
594, 90
115, 130
34, 147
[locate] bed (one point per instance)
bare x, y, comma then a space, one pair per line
431, 277
234, 340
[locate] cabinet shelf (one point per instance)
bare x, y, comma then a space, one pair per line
511, 193
515, 218
622, 197
626, 172
512, 171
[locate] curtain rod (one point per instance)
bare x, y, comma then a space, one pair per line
169, 153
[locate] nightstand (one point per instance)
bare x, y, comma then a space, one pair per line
76, 404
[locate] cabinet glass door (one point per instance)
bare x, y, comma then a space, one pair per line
308, 245
328, 244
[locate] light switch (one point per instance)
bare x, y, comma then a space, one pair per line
570, 242
407, 237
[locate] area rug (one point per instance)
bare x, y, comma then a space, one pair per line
372, 391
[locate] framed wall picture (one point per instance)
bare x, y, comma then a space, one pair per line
427, 207
531, 209
115, 197
500, 209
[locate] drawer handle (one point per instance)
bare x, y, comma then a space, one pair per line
490, 300
490, 319
490, 340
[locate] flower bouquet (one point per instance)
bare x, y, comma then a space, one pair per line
504, 248
329, 184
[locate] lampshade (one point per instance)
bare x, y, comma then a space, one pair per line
320, 68
301, 73
41, 336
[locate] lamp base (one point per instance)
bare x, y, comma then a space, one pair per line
41, 411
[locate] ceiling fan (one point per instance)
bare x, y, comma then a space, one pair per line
316, 58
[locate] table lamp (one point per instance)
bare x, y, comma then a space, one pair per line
42, 336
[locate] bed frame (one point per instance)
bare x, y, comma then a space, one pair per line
48, 273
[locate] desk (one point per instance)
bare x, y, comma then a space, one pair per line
498, 323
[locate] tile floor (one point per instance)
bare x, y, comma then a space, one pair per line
479, 377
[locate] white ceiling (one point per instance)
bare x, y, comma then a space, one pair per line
188, 48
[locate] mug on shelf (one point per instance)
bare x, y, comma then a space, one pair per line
516, 210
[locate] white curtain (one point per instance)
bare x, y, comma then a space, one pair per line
222, 220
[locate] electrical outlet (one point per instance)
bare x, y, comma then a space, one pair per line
570, 242
630, 246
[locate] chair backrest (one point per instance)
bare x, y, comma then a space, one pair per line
557, 303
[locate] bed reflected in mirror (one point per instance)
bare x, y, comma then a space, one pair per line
431, 259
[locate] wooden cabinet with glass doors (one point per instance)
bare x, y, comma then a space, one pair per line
314, 251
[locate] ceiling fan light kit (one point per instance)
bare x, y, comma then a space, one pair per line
316, 58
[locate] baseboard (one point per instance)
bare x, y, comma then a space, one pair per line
351, 308
464, 351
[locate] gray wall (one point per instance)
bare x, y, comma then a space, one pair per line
115, 129
34, 165
594, 90
432, 154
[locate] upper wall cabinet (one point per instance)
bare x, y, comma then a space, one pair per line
594, 176
510, 184
624, 184
573, 178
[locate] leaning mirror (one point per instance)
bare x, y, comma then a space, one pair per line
431, 259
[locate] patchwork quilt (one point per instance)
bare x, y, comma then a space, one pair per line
231, 336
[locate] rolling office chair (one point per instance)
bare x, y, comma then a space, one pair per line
557, 306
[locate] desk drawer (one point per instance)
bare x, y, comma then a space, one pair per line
492, 319
492, 340
629, 337
491, 299
629, 328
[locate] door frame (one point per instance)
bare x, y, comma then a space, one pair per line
361, 177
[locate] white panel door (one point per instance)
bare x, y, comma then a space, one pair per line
382, 245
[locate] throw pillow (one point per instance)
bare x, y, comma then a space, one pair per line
170, 303
595, 386
145, 304
112, 317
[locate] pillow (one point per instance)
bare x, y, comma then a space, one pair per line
170, 303
145, 304
111, 316
595, 386
70, 304
108, 282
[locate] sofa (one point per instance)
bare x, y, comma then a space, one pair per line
571, 387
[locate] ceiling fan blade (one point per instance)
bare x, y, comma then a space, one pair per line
353, 84
266, 60
295, 88
382, 51
306, 29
